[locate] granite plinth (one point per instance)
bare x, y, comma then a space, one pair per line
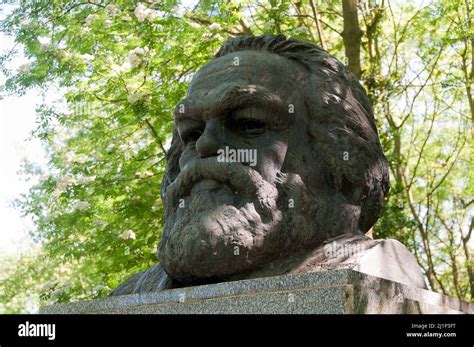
327, 292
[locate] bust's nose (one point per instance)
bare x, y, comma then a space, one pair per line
209, 142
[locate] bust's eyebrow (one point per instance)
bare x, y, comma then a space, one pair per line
233, 99
250, 96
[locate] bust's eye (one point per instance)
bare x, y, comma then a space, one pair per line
251, 127
191, 136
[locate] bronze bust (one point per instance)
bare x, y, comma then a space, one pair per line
275, 168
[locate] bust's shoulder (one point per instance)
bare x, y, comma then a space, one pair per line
385, 258
390, 259
152, 280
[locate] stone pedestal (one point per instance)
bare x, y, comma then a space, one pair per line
326, 292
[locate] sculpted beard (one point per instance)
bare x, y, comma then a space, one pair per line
223, 219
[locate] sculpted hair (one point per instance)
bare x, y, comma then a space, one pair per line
346, 145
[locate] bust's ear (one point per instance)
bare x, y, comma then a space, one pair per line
367, 191
353, 192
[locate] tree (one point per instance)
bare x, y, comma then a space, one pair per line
352, 36
122, 68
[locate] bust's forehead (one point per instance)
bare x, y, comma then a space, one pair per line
249, 68
245, 59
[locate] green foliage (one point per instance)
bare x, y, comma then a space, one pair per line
123, 66
122, 69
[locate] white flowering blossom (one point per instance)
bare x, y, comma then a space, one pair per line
151, 14
24, 68
195, 25
110, 147
95, 155
86, 57
81, 159
44, 177
144, 13
44, 39
46, 47
58, 144
125, 66
121, 68
140, 12
65, 181
215, 26
65, 54
133, 98
140, 76
86, 179
131, 37
179, 11
70, 156
128, 235
112, 9
136, 97
100, 288
48, 286
91, 18
134, 59
123, 147
61, 133
136, 56
62, 184
50, 215
81, 205
26, 23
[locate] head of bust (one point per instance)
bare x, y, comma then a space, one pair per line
274, 151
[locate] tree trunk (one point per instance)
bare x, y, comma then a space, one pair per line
351, 36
